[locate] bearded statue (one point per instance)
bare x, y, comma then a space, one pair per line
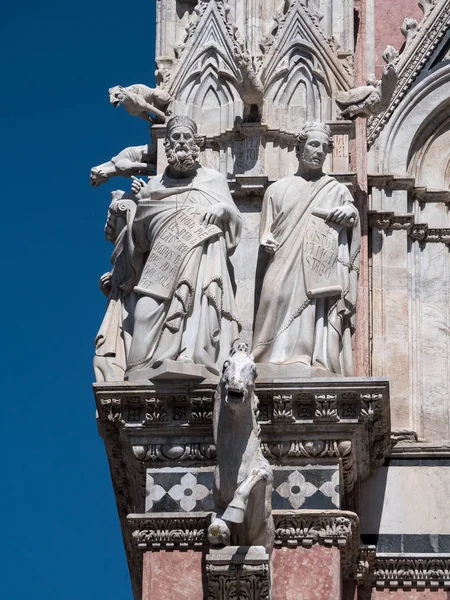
185, 227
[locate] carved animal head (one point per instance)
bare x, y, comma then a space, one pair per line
238, 378
117, 95
97, 177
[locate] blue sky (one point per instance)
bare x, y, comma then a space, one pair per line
60, 534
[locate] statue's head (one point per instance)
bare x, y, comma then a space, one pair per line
314, 142
238, 379
117, 95
182, 143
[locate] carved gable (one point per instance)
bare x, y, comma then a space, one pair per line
206, 79
301, 70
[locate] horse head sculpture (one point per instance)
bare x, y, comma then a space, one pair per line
243, 477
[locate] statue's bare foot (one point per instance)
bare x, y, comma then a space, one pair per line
185, 359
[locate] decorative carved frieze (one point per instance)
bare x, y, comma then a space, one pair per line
419, 232
409, 571
402, 571
163, 531
282, 408
327, 528
238, 572
175, 452
166, 531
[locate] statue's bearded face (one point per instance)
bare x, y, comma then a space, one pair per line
314, 151
181, 148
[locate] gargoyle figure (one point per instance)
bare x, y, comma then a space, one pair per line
135, 160
370, 99
243, 477
139, 100
409, 28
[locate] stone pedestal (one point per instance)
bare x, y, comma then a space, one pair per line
322, 437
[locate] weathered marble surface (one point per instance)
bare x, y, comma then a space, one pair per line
387, 508
170, 575
315, 573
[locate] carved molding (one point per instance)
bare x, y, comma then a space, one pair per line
427, 36
331, 528
229, 582
418, 232
238, 572
175, 451
402, 571
327, 528
163, 531
292, 451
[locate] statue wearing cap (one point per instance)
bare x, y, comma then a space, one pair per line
310, 229
185, 227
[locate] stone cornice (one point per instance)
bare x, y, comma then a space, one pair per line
402, 571
328, 528
338, 528
166, 531
342, 419
418, 232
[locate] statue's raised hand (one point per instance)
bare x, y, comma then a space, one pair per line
215, 214
269, 243
344, 215
137, 187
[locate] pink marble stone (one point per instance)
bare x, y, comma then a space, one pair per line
389, 17
410, 595
306, 573
172, 576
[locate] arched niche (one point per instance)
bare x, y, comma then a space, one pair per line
297, 90
429, 156
209, 94
414, 128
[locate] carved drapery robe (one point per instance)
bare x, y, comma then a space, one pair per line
308, 298
113, 340
198, 322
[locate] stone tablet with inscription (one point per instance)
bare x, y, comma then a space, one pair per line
320, 253
167, 254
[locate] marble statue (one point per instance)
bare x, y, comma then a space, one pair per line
135, 160
310, 228
186, 225
370, 99
243, 477
139, 100
114, 337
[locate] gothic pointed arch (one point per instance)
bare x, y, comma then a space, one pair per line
207, 80
301, 70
